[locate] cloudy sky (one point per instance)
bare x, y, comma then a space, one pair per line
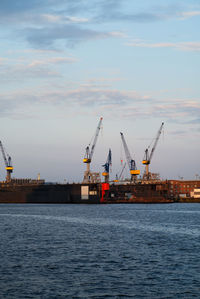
66, 63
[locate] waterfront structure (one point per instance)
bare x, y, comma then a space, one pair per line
180, 189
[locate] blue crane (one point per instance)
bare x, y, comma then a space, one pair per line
107, 166
131, 163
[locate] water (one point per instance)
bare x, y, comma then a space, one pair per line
100, 251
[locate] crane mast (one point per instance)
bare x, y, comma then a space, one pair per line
89, 153
107, 167
147, 157
8, 163
131, 163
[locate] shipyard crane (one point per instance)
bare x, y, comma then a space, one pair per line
118, 177
147, 157
131, 163
8, 163
107, 167
89, 153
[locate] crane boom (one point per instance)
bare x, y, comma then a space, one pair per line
131, 163
95, 138
89, 153
3, 154
156, 141
147, 158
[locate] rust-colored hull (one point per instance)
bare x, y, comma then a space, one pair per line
75, 193
140, 200
46, 193
137, 193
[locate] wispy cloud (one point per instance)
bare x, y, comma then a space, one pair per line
188, 14
24, 69
44, 23
69, 34
183, 46
178, 132
52, 60
63, 19
123, 104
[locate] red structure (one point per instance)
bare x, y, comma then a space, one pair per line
104, 187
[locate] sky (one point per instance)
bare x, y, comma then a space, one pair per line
66, 63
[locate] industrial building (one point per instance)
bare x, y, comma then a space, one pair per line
180, 189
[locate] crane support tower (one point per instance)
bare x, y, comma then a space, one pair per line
131, 163
107, 167
8, 163
147, 157
89, 153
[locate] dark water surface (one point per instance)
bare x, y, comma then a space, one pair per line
100, 251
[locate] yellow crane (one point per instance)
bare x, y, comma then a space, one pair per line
147, 157
8, 163
89, 153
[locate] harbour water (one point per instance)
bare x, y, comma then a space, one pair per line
100, 251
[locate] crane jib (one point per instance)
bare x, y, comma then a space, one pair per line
156, 141
95, 139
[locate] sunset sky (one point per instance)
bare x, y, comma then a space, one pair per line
66, 63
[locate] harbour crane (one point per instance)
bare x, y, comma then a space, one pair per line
107, 167
148, 157
89, 153
118, 177
131, 163
8, 163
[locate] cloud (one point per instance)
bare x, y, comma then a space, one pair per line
52, 60
102, 100
41, 12
126, 17
70, 34
93, 96
10, 6
85, 98
64, 19
22, 69
46, 23
194, 121
183, 46
178, 132
56, 11
2, 60
188, 14
24, 72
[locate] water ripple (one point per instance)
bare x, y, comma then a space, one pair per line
121, 251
